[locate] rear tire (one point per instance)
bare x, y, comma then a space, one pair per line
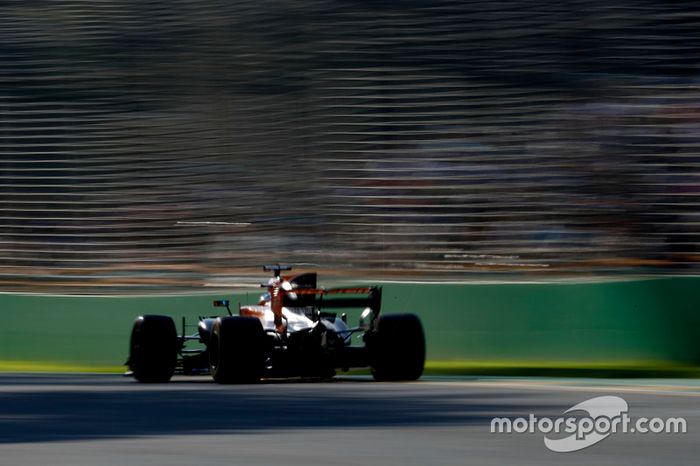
237, 350
153, 349
397, 348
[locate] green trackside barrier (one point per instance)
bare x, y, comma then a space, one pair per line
615, 324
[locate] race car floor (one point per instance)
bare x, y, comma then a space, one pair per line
112, 420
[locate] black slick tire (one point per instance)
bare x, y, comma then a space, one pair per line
153, 348
237, 350
397, 348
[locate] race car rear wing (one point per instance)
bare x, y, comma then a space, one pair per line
336, 298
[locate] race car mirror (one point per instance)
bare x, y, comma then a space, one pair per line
366, 319
224, 303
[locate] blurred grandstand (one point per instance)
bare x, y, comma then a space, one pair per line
169, 145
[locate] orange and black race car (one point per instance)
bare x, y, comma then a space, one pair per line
287, 334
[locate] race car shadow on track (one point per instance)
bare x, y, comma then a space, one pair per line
40, 408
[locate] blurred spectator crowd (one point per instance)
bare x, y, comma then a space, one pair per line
174, 145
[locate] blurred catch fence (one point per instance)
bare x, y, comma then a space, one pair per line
169, 145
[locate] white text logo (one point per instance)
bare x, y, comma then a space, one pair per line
604, 415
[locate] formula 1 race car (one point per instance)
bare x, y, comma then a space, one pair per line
287, 334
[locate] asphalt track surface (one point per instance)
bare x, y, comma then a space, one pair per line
112, 420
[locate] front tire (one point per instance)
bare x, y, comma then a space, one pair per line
237, 350
153, 349
397, 348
